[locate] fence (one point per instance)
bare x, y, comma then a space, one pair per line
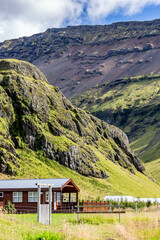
94, 206
98, 207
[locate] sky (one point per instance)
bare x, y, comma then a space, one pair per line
26, 17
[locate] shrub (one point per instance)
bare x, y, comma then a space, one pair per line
148, 203
10, 208
44, 236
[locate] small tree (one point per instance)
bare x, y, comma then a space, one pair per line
98, 199
148, 203
10, 207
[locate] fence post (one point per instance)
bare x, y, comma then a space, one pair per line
78, 212
157, 206
136, 206
50, 204
119, 211
110, 208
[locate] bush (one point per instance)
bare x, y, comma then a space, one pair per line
44, 236
148, 203
130, 204
10, 208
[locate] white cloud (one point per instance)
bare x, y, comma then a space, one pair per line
102, 8
25, 17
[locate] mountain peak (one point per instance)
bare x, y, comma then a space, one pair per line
23, 68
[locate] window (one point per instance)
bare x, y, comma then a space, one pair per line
58, 198
32, 196
47, 196
73, 197
1, 194
17, 196
65, 197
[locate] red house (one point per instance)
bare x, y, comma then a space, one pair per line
23, 194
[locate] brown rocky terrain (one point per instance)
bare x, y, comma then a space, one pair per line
77, 58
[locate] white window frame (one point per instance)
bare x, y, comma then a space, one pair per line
73, 197
17, 196
1, 194
66, 197
32, 196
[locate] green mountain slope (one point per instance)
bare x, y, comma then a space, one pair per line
133, 105
43, 135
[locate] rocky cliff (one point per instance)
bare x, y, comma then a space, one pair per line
37, 116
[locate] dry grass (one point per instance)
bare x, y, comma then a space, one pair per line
140, 226
143, 225
79, 232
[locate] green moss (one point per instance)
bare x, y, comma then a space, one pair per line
3, 126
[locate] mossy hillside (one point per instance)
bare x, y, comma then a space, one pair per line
121, 181
40, 128
153, 167
133, 105
40, 118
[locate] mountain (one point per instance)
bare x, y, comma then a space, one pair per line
113, 71
76, 58
42, 134
38, 115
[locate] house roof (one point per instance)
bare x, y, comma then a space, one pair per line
31, 183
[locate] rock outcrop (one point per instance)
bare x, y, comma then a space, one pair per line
36, 115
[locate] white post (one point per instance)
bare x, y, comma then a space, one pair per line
50, 203
39, 203
136, 206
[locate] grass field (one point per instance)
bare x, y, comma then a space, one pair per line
143, 225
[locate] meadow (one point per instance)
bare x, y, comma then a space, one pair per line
134, 226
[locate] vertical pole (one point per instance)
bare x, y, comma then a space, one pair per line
78, 212
50, 203
110, 208
61, 199
119, 211
39, 204
157, 206
136, 207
